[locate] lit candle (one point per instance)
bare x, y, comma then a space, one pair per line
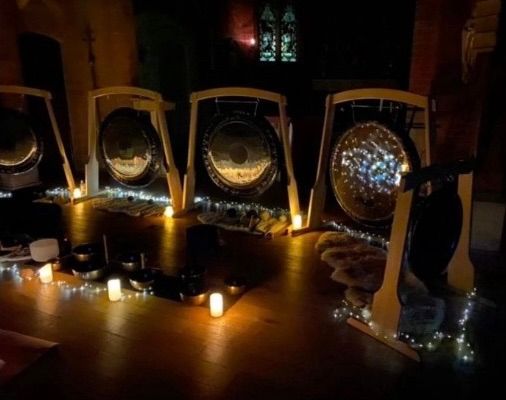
297, 221
169, 211
46, 273
114, 289
76, 194
216, 305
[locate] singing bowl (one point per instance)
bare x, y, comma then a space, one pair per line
142, 279
194, 293
235, 285
240, 153
130, 261
366, 166
89, 271
21, 148
86, 252
194, 299
130, 147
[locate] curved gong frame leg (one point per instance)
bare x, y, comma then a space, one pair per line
145, 100
319, 190
196, 97
26, 91
386, 307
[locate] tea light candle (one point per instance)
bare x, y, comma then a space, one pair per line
114, 289
216, 305
169, 211
46, 273
297, 221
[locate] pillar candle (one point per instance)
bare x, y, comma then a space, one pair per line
216, 305
46, 273
114, 289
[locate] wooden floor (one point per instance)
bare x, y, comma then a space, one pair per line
277, 341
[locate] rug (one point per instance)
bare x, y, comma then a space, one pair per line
18, 352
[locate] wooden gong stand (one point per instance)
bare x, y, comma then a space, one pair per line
144, 100
26, 91
386, 306
318, 193
196, 97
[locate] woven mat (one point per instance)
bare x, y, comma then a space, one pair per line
18, 352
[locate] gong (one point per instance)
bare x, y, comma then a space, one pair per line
434, 232
130, 147
20, 147
240, 153
366, 165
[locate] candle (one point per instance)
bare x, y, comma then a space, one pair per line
216, 305
297, 221
169, 211
46, 273
114, 289
76, 194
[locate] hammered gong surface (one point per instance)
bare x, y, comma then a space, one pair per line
20, 147
365, 171
130, 147
240, 154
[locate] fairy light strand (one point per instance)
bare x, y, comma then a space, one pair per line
464, 351
68, 289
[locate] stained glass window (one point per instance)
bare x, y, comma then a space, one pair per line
288, 35
277, 33
268, 34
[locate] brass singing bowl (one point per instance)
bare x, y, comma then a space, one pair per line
89, 272
86, 252
194, 299
130, 261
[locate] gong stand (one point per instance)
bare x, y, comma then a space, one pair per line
26, 91
386, 307
143, 100
196, 97
318, 193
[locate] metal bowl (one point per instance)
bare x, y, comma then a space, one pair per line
235, 285
142, 279
130, 261
192, 274
86, 252
194, 295
89, 272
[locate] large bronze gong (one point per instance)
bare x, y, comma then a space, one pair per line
240, 153
20, 147
365, 171
130, 147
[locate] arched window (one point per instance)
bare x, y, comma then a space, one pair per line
288, 35
268, 34
277, 33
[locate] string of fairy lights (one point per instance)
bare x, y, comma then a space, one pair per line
13, 271
205, 203
463, 349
